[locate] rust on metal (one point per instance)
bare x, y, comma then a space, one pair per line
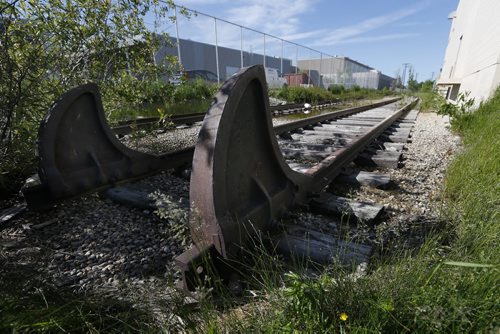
240, 182
78, 152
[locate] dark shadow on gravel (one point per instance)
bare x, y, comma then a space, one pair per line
87, 258
408, 236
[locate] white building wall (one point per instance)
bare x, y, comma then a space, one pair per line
472, 59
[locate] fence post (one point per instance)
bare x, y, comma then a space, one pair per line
241, 45
331, 70
309, 69
177, 36
281, 58
264, 50
216, 51
296, 59
320, 83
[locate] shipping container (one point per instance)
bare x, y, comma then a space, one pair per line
296, 79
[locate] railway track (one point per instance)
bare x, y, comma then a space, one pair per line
126, 127
79, 152
243, 180
246, 175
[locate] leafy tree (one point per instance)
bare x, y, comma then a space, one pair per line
413, 84
49, 46
427, 86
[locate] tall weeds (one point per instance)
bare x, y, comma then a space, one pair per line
449, 286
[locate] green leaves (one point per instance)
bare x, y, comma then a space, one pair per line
458, 111
48, 47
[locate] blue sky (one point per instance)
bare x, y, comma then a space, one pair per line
381, 33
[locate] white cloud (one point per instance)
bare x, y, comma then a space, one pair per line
285, 19
351, 31
412, 24
303, 35
369, 39
277, 17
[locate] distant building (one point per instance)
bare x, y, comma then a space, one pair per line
472, 59
201, 56
329, 71
344, 71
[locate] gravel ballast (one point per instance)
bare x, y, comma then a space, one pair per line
93, 245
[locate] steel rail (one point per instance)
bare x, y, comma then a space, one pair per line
79, 153
240, 181
129, 126
328, 116
324, 172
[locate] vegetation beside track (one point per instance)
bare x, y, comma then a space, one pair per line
449, 286
334, 93
163, 99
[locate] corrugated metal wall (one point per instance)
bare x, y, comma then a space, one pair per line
201, 56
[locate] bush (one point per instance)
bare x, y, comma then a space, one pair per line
336, 89
334, 93
430, 101
82, 42
303, 94
193, 90
459, 111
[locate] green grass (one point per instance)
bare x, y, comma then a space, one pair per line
190, 97
429, 101
450, 285
316, 94
158, 109
46, 309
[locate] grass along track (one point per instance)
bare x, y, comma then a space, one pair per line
448, 285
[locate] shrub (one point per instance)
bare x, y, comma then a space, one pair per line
303, 94
82, 42
430, 101
459, 111
193, 90
336, 89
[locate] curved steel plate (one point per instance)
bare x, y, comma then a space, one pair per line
78, 152
240, 182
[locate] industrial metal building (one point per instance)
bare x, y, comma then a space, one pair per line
344, 71
202, 56
321, 72
472, 59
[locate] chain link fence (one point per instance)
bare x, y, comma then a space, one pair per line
218, 48
214, 49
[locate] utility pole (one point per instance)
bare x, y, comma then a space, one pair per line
405, 66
